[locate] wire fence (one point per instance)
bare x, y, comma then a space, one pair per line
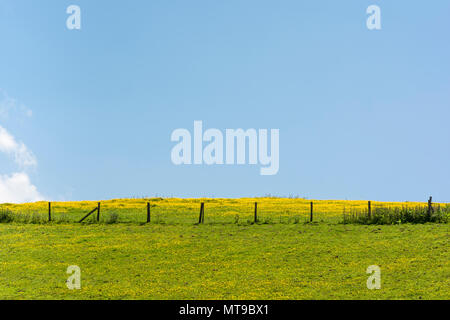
189, 211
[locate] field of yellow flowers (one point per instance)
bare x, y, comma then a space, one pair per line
173, 258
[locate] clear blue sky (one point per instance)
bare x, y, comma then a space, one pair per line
362, 114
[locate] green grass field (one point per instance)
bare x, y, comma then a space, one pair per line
323, 260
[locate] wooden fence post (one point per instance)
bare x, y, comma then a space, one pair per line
203, 213
49, 211
370, 209
312, 211
430, 206
84, 218
148, 212
256, 212
201, 219
98, 212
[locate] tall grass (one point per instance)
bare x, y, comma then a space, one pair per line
383, 215
8, 216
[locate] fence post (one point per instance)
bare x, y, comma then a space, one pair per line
370, 209
430, 206
256, 212
201, 219
203, 213
148, 212
88, 215
312, 211
98, 212
49, 211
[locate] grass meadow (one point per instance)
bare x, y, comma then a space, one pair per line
283, 256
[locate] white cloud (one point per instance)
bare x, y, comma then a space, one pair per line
17, 188
22, 156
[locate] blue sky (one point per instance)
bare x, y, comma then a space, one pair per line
362, 114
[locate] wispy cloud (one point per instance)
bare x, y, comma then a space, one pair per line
18, 150
10, 106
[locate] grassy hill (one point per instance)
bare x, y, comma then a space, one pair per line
226, 258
